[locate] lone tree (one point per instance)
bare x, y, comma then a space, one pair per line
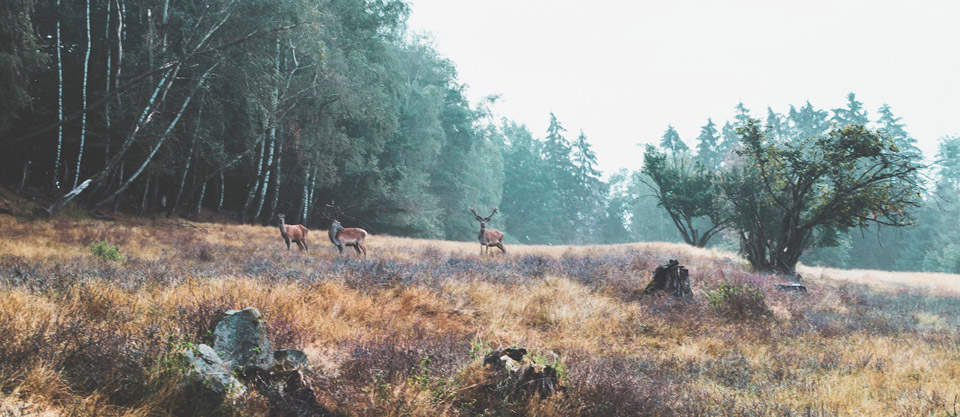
688, 191
785, 196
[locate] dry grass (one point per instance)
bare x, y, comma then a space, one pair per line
402, 331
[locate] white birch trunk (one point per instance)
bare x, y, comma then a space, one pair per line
203, 192
273, 130
166, 134
56, 169
266, 174
222, 189
121, 36
305, 200
276, 182
106, 106
83, 118
256, 182
186, 167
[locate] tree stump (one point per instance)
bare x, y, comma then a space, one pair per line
672, 279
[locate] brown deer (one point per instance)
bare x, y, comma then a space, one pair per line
349, 236
296, 233
490, 237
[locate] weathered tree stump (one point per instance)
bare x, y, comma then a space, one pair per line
672, 279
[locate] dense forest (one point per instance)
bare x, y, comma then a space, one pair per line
255, 108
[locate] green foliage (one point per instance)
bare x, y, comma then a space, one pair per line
738, 300
688, 191
106, 252
782, 193
554, 361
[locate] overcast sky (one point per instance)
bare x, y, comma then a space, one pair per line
623, 70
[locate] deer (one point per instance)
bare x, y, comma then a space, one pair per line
490, 237
296, 233
345, 236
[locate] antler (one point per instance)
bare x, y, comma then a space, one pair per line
337, 213
326, 214
491, 214
474, 210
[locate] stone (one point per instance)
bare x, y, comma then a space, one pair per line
241, 341
289, 360
207, 369
792, 288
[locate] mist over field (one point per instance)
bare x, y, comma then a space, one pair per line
397, 243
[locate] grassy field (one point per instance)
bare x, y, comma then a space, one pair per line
403, 331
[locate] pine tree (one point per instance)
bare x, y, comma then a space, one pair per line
853, 114
708, 144
807, 123
589, 192
671, 141
729, 141
775, 127
557, 154
890, 127
743, 115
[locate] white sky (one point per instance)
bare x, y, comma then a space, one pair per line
623, 70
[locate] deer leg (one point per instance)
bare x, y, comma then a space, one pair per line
363, 249
287, 240
304, 241
500, 245
357, 248
300, 244
340, 247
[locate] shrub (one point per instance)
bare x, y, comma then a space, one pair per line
738, 300
106, 252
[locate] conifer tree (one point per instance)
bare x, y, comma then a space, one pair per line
670, 141
708, 144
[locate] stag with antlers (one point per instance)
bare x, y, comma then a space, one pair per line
490, 237
296, 233
344, 236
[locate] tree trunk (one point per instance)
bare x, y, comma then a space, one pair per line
672, 279
186, 165
203, 191
220, 202
274, 99
266, 175
304, 200
106, 106
276, 183
83, 118
253, 186
56, 167
165, 135
23, 180
146, 191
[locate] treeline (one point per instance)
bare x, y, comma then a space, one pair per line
254, 108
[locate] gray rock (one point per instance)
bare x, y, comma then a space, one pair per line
792, 288
288, 360
210, 373
241, 340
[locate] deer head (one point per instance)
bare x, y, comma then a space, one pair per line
483, 220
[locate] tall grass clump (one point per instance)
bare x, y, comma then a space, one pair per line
738, 300
104, 251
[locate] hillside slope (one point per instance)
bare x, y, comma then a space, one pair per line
403, 331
